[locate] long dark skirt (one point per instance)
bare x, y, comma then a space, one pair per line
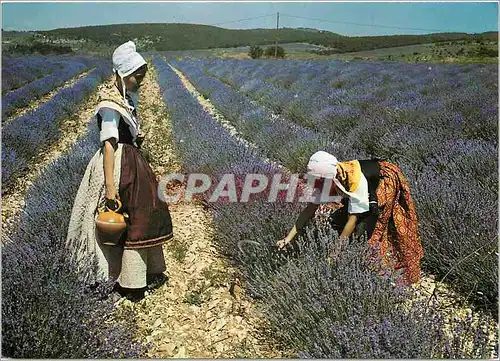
150, 223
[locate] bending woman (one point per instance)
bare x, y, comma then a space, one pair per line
118, 170
378, 199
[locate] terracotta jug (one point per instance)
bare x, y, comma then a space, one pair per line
110, 225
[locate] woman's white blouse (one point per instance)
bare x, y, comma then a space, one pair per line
109, 125
358, 200
110, 122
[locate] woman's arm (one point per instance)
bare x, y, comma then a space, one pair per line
109, 138
302, 219
109, 147
349, 226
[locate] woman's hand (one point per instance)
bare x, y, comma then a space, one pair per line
282, 243
140, 139
111, 197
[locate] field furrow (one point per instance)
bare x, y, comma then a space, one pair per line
26, 136
20, 101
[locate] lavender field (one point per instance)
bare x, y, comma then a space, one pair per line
438, 123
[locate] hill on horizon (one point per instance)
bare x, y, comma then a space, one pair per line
182, 36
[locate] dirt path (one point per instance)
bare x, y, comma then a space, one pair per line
72, 128
194, 315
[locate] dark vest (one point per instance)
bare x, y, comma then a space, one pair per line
368, 220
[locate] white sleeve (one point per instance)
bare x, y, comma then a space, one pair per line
359, 203
109, 125
356, 206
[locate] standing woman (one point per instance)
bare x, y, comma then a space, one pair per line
378, 199
118, 171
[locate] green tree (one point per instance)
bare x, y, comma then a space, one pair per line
255, 52
271, 51
484, 52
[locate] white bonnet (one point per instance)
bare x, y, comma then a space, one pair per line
126, 59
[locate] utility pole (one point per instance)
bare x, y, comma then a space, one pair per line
277, 28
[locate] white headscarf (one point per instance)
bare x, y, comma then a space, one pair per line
126, 60
324, 165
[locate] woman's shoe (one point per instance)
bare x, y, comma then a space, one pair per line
131, 294
156, 280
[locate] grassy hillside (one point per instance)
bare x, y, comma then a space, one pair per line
174, 37
164, 37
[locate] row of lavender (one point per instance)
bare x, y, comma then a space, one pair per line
19, 71
48, 308
317, 309
307, 90
23, 96
281, 139
25, 136
436, 124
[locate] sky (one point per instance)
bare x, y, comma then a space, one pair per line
346, 18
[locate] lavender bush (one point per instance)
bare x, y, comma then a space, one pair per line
195, 129
282, 140
19, 71
343, 310
48, 308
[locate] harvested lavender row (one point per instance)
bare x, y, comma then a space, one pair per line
25, 136
47, 312
18, 71
23, 96
283, 141
313, 307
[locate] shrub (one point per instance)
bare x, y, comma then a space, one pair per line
255, 52
486, 52
40, 48
271, 52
